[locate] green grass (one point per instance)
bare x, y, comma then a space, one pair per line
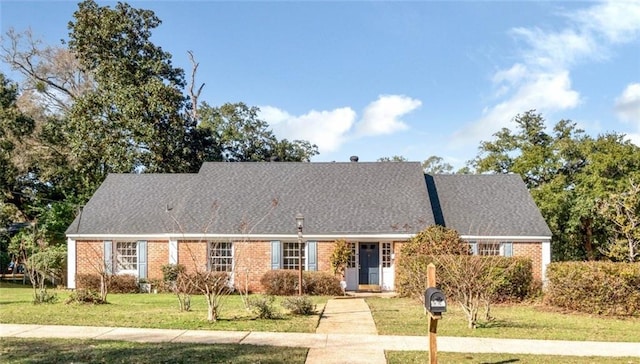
402, 316
145, 310
14, 350
408, 357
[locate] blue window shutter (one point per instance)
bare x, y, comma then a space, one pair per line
474, 247
108, 260
507, 249
312, 255
142, 259
276, 261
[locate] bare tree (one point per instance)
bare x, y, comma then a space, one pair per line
204, 276
53, 75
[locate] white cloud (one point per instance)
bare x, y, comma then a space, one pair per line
545, 92
541, 79
618, 21
627, 105
327, 129
383, 115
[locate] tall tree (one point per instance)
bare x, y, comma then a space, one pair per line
436, 165
239, 135
136, 118
567, 172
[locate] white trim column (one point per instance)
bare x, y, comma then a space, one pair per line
546, 259
173, 251
71, 263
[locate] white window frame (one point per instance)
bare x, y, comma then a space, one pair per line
214, 249
290, 262
118, 261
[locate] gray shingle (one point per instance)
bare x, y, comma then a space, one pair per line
487, 205
229, 198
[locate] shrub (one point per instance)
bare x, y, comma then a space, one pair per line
512, 278
299, 305
84, 296
170, 272
88, 282
125, 283
284, 282
263, 306
321, 284
602, 288
281, 282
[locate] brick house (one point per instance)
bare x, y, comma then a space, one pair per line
240, 218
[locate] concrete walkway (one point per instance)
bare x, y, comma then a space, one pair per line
346, 334
351, 334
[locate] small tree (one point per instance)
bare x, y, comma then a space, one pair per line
340, 257
175, 279
623, 211
41, 261
418, 252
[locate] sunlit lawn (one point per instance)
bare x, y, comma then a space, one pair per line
145, 310
402, 316
14, 350
417, 357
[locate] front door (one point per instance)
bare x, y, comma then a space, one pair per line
369, 272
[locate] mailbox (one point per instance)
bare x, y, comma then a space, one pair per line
434, 300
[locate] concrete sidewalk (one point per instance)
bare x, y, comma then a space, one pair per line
351, 334
346, 334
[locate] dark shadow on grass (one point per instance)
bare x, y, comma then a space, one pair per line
501, 361
98, 351
503, 324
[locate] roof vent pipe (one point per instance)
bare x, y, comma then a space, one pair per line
353, 158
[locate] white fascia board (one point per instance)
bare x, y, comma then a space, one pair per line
239, 236
507, 238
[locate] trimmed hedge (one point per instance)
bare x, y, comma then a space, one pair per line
602, 288
284, 282
125, 283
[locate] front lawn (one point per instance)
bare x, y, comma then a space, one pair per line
403, 316
145, 310
420, 357
14, 350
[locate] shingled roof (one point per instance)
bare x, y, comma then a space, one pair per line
238, 198
486, 205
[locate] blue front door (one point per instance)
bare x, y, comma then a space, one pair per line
369, 254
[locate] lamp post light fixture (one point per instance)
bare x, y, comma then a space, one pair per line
299, 224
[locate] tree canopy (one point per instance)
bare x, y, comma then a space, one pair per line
567, 173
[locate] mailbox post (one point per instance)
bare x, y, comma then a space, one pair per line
436, 303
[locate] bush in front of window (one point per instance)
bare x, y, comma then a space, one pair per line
512, 277
299, 305
125, 283
281, 282
321, 284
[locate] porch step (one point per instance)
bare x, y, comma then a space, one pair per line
369, 288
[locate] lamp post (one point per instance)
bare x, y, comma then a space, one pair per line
299, 224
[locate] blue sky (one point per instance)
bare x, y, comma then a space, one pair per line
378, 79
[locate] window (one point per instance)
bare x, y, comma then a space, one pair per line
486, 248
126, 257
386, 255
221, 256
352, 257
290, 256
284, 255
491, 248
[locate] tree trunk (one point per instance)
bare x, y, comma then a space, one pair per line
588, 237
